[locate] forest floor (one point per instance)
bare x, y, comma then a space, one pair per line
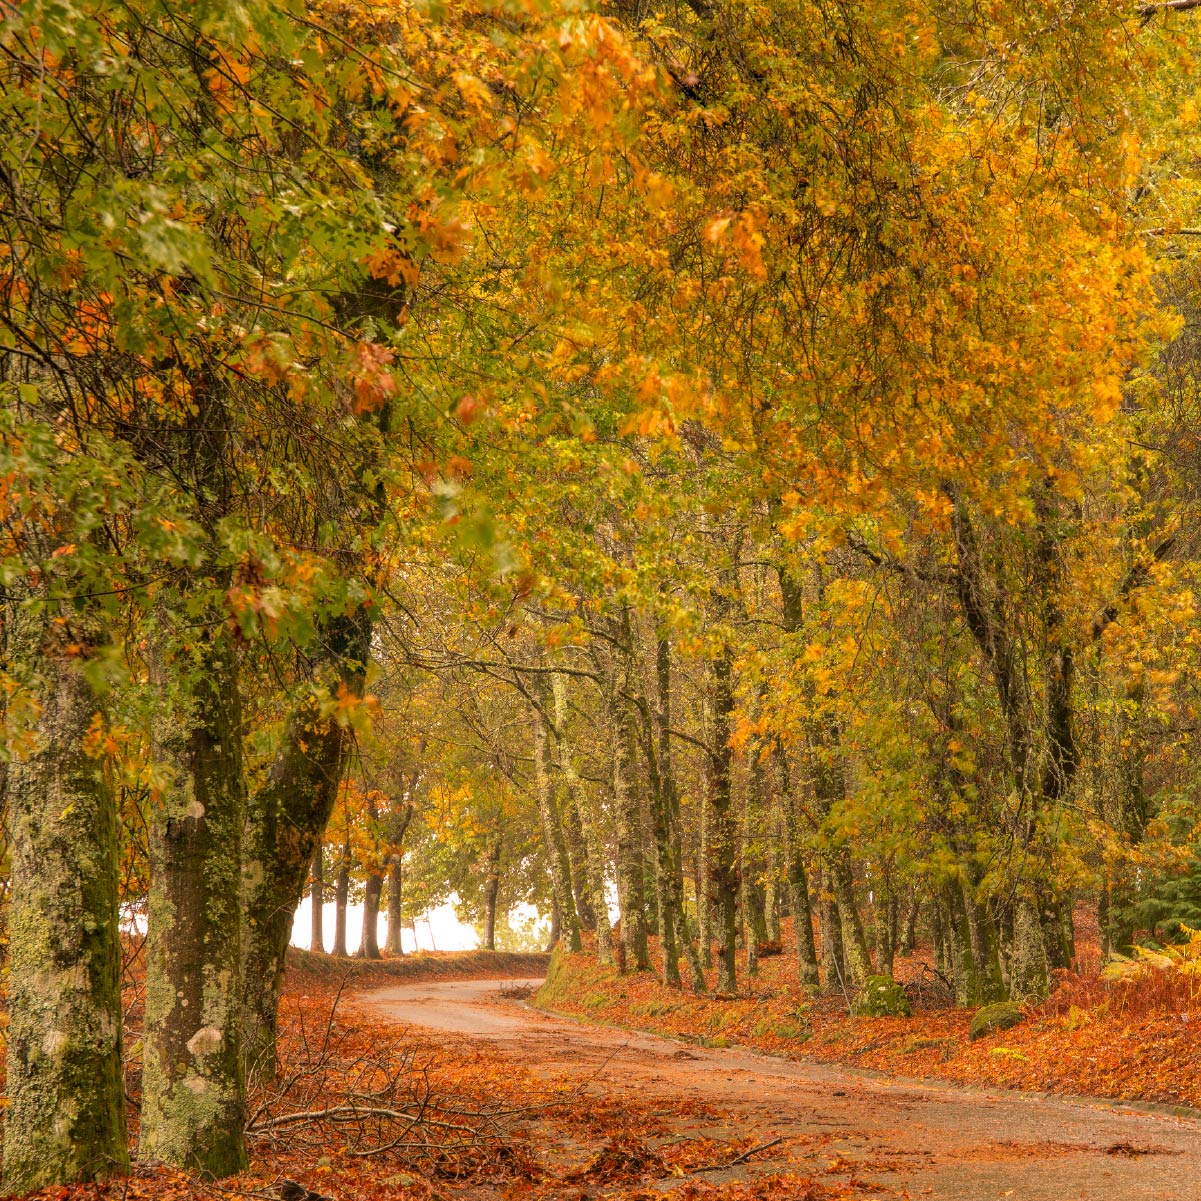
411, 1082
825, 1130
1140, 1043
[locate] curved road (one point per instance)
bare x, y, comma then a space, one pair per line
921, 1139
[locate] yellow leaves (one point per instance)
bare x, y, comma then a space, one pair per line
743, 234
716, 228
476, 94
102, 741
226, 79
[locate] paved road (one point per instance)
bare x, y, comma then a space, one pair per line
927, 1139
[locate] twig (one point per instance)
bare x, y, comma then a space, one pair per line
729, 1163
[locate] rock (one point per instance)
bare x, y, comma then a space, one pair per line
882, 997
1004, 1015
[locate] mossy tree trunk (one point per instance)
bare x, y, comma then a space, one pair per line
798, 879
591, 824
723, 834
193, 1082
884, 922
854, 941
66, 1115
373, 888
285, 821
833, 959
1028, 958
670, 798
661, 878
704, 899
549, 812
630, 878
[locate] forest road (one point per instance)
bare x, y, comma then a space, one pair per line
916, 1139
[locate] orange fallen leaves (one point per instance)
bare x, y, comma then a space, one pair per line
1152, 1056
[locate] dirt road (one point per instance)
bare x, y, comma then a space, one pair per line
917, 1139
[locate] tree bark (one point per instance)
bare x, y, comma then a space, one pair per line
193, 1083
341, 900
545, 784
833, 958
373, 889
66, 1115
492, 889
798, 881
393, 944
285, 822
723, 835
669, 794
586, 808
854, 941
317, 904
629, 843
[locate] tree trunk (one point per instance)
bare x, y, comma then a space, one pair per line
665, 797
723, 835
591, 824
629, 843
373, 890
66, 1114
394, 945
854, 942
1028, 960
577, 848
798, 882
341, 900
285, 821
491, 889
704, 900
909, 923
193, 1084
833, 958
317, 904
884, 923
545, 784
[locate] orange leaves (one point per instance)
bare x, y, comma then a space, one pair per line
743, 234
226, 78
373, 382
389, 264
469, 409
474, 91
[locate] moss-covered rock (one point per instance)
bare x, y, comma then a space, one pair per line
882, 997
1004, 1015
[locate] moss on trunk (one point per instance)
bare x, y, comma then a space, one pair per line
193, 1087
66, 1115
285, 820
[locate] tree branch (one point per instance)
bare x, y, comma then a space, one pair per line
1147, 11
1138, 575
